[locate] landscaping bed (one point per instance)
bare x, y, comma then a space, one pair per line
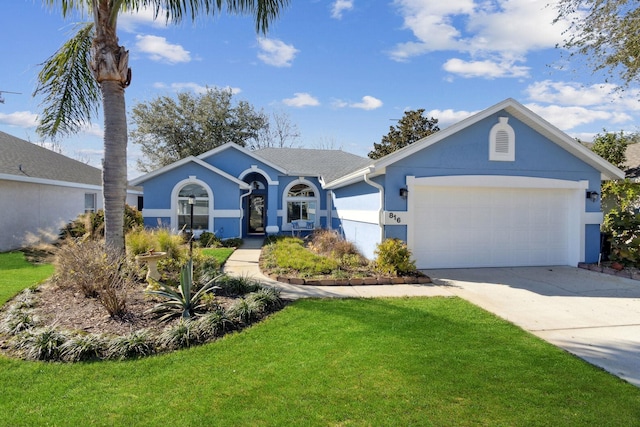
325, 259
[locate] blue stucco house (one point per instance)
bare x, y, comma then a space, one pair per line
503, 187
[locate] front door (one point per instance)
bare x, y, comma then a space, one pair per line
256, 217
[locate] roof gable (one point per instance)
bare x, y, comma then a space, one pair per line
233, 146
526, 116
191, 159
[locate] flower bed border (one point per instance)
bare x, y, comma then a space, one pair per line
356, 281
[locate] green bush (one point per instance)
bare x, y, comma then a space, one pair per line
91, 225
393, 257
290, 253
136, 344
209, 240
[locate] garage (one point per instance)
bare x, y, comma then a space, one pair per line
494, 222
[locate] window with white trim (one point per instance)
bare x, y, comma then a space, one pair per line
90, 202
502, 142
301, 202
200, 207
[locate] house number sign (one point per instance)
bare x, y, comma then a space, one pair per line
395, 218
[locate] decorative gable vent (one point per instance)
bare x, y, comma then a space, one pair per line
502, 141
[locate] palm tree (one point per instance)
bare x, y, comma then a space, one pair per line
92, 65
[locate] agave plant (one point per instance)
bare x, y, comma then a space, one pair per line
181, 301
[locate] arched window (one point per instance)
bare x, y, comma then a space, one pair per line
200, 207
301, 201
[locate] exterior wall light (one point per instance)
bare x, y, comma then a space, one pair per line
404, 193
593, 195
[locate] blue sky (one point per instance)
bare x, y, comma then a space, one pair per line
343, 71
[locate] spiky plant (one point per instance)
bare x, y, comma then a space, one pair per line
83, 347
182, 334
213, 324
268, 296
41, 344
182, 301
136, 344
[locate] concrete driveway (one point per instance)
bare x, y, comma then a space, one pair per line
589, 314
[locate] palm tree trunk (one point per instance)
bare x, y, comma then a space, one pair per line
114, 168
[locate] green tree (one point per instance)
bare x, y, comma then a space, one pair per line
412, 127
92, 66
169, 129
613, 146
607, 32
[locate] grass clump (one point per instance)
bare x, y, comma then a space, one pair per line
289, 253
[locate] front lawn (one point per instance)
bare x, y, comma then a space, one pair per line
16, 274
219, 254
357, 362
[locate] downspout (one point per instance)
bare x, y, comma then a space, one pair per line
381, 210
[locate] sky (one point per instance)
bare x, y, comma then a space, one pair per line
342, 71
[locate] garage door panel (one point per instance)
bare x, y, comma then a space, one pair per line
483, 227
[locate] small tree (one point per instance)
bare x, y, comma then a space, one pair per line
410, 128
613, 146
169, 129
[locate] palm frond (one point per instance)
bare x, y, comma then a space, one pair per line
72, 95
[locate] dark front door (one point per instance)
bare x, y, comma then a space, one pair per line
256, 215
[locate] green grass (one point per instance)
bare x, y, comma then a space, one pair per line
347, 362
17, 274
220, 254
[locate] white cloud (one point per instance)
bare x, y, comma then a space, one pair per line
569, 117
571, 93
448, 117
367, 103
301, 99
23, 119
93, 129
159, 49
487, 69
276, 52
129, 22
339, 7
191, 86
503, 28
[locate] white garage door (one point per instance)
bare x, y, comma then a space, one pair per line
456, 227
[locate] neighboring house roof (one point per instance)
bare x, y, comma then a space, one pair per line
632, 164
520, 112
21, 160
326, 164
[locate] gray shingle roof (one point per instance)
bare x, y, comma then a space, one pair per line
632, 164
329, 164
24, 159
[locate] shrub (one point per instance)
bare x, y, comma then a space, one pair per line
393, 257
88, 268
213, 324
140, 241
246, 310
209, 240
91, 225
182, 334
290, 253
237, 285
170, 243
81, 347
268, 297
41, 344
135, 344
17, 320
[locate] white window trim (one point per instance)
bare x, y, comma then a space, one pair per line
502, 126
286, 224
174, 201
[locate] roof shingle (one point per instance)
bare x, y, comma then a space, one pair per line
24, 159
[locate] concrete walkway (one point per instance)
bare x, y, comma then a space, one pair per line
594, 316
